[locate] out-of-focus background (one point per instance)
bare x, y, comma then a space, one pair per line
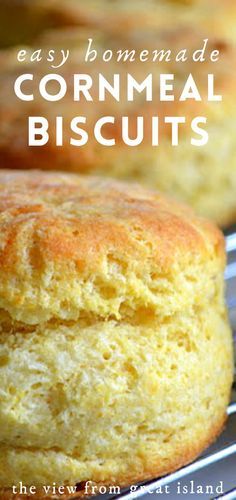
204, 177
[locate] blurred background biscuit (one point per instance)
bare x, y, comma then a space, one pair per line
28, 18
204, 177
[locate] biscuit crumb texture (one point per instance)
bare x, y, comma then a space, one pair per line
115, 347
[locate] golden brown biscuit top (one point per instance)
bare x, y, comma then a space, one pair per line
80, 217
71, 244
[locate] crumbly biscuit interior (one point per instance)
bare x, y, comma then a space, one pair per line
96, 398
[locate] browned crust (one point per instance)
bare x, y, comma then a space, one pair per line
182, 457
107, 213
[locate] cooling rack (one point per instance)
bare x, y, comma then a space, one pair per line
225, 447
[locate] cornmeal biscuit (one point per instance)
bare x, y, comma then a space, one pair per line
204, 177
115, 347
